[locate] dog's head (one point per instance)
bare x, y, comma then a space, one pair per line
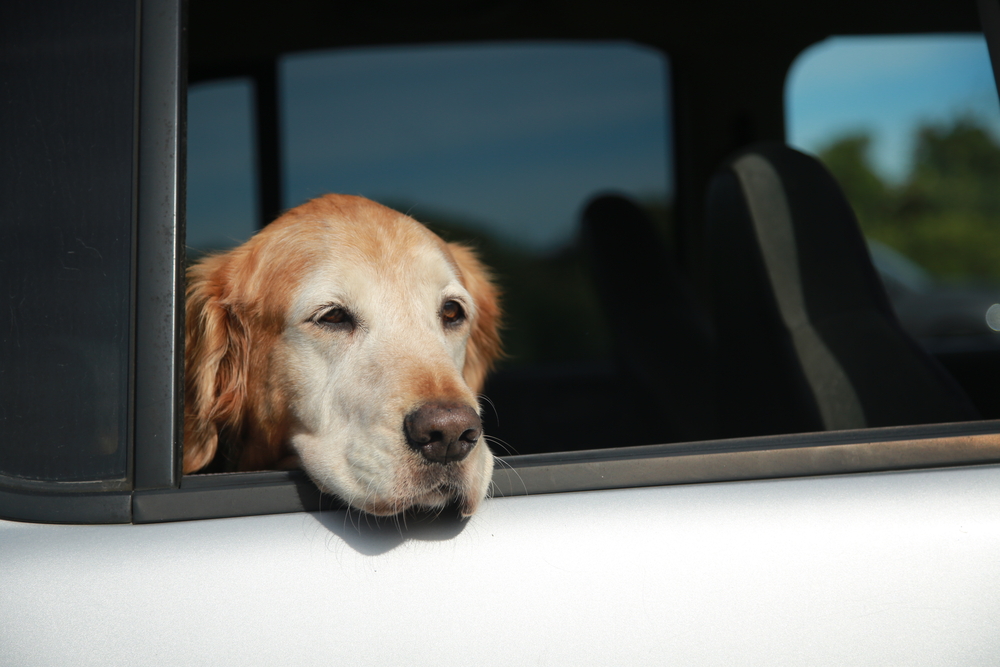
357, 338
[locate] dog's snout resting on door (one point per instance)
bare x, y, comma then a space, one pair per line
350, 336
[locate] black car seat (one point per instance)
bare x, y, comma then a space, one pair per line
660, 335
807, 339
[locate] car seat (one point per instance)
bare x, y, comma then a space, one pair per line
661, 336
806, 337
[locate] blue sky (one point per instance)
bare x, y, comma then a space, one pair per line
515, 138
888, 86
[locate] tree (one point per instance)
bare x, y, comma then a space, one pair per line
945, 215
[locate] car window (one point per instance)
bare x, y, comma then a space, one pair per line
66, 206
910, 127
499, 145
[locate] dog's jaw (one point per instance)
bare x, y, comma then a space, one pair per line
414, 484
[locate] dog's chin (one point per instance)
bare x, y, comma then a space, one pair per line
466, 501
434, 499
464, 497
413, 485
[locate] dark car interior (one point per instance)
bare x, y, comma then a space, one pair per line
817, 346
753, 310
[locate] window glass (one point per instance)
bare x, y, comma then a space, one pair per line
502, 144
221, 177
67, 106
910, 127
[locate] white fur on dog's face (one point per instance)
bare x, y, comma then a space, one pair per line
356, 382
323, 333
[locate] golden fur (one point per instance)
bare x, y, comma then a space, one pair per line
264, 372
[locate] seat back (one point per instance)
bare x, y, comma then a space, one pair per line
807, 339
661, 336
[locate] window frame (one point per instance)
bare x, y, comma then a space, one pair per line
157, 491
156, 383
158, 434
223, 495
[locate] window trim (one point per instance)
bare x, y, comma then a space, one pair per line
156, 405
816, 454
62, 502
159, 305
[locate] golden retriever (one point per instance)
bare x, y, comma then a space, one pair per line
348, 337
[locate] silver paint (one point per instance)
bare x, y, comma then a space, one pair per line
871, 569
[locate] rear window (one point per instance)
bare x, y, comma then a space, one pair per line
910, 127
222, 206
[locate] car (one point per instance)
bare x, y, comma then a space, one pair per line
717, 443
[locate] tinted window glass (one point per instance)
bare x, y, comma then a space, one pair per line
66, 128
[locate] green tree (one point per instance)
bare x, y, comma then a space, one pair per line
956, 168
945, 215
848, 159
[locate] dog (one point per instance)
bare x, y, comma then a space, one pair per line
350, 339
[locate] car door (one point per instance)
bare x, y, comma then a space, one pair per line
607, 539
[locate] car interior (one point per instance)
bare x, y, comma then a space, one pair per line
738, 299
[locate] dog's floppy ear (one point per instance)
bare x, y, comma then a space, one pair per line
215, 362
484, 347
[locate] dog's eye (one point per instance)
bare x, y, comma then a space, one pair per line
452, 312
337, 317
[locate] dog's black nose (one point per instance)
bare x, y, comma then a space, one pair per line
443, 432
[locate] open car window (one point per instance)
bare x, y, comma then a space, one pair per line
504, 145
499, 145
